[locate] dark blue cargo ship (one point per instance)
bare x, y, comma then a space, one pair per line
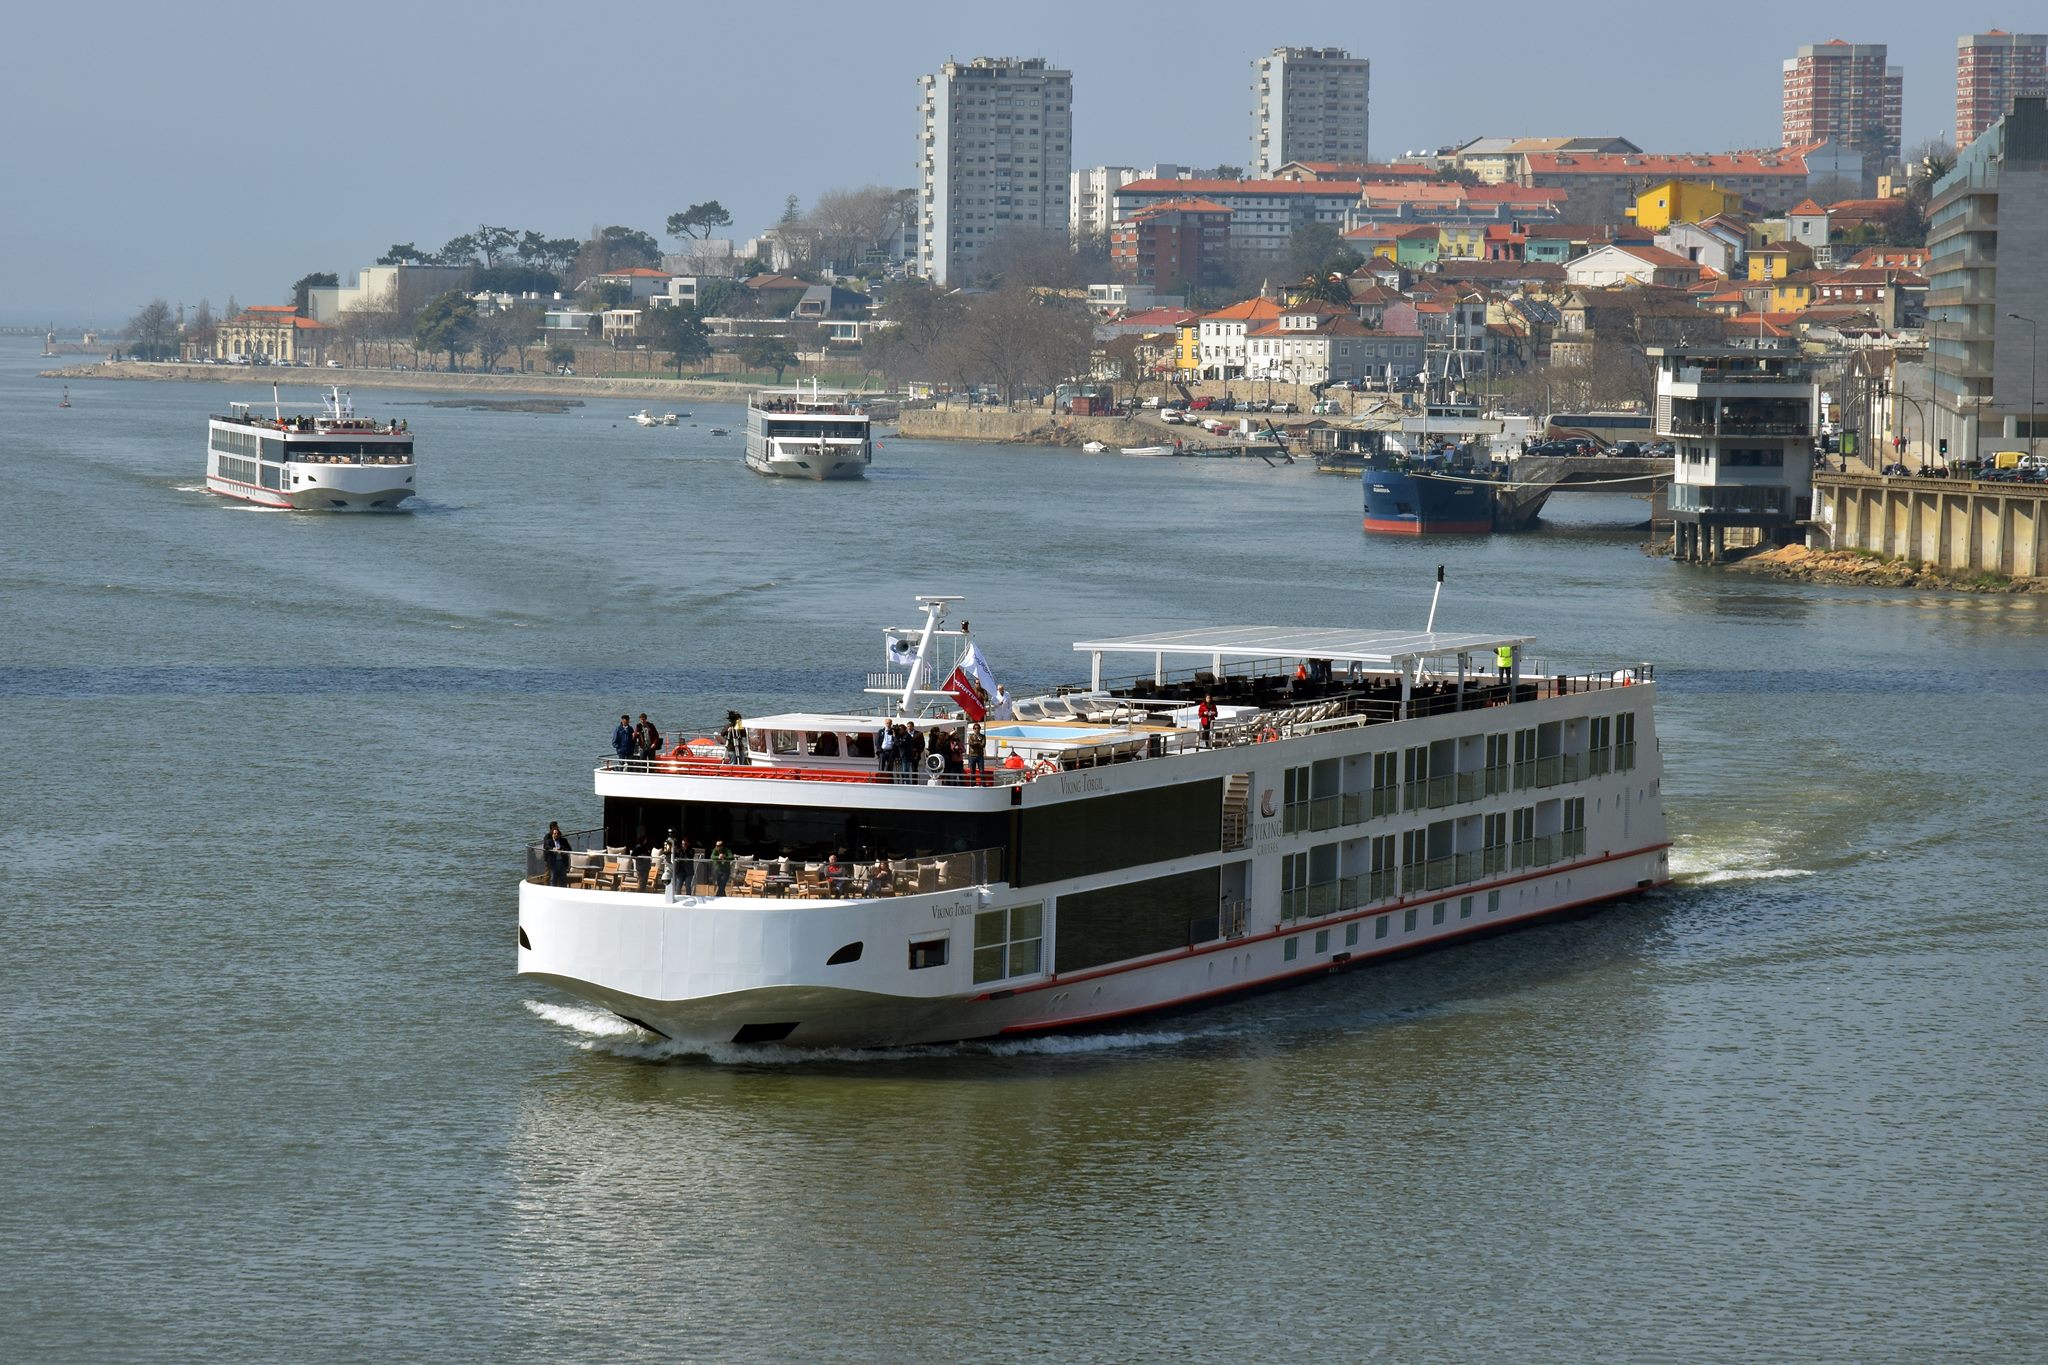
1433, 496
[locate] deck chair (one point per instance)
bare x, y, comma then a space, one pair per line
1026, 710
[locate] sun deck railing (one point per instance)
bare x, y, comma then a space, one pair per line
590, 865
706, 758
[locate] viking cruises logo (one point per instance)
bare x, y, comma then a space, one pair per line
1266, 811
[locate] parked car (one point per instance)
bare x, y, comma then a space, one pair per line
1171, 416
1326, 407
1625, 450
334, 364
1286, 408
1204, 403
1152, 402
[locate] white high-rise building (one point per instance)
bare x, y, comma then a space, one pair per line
1091, 206
1309, 104
994, 157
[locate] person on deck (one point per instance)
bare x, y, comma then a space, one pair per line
721, 866
1205, 715
1504, 659
736, 739
977, 755
554, 847
622, 738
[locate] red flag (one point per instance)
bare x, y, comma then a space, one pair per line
967, 692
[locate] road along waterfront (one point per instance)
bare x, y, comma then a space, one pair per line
271, 1078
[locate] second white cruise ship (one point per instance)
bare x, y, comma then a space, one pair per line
808, 434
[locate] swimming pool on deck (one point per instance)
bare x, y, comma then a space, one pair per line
1045, 732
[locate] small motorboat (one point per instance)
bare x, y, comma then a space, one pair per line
1148, 450
669, 419
645, 418
1093, 447
720, 431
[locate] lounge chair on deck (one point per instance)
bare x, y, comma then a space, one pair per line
1026, 710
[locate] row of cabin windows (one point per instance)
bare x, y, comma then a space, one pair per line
1450, 771
1341, 875
1383, 925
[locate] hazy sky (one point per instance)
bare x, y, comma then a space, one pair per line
190, 151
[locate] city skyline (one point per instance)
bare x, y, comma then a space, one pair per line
148, 168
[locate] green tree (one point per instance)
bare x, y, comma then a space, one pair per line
767, 353
606, 296
699, 220
1312, 249
319, 279
458, 251
404, 253
560, 355
1325, 289
721, 298
678, 332
495, 243
153, 332
447, 323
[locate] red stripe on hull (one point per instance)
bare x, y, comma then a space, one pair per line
1325, 966
1409, 526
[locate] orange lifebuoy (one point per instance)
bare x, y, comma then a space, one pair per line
1043, 767
1268, 735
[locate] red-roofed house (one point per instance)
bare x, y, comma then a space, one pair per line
1604, 186
1222, 335
640, 281
1264, 214
1182, 241
1313, 343
273, 331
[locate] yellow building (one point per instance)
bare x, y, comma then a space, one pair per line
1187, 348
1681, 201
1778, 260
1794, 295
1465, 243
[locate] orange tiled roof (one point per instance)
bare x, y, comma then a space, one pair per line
1790, 162
1348, 188
1250, 310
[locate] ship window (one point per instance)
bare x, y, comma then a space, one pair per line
1379, 926
1465, 907
1351, 934
1436, 913
1008, 942
1133, 919
1289, 949
1322, 941
846, 954
1492, 901
1408, 921
929, 952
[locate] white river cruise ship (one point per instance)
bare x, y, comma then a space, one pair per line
808, 434
325, 461
1358, 794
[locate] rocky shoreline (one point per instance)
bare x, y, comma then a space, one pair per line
1855, 568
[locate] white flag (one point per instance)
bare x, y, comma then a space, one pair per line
899, 650
976, 667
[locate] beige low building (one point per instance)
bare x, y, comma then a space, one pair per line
274, 332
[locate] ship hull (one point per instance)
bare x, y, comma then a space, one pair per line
1403, 504
606, 950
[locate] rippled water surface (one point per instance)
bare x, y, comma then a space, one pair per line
273, 1093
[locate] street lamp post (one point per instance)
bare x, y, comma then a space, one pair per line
2033, 377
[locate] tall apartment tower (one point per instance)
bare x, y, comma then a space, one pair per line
994, 156
1992, 70
1309, 104
1844, 92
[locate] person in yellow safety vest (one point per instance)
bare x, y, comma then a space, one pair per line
1504, 658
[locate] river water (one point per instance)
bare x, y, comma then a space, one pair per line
273, 1093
